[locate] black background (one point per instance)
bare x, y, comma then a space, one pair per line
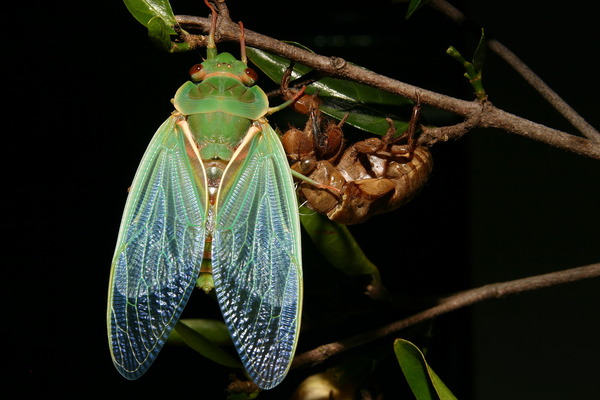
84, 91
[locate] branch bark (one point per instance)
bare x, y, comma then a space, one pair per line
522, 69
488, 116
446, 305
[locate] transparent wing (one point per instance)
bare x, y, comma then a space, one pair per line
257, 260
159, 250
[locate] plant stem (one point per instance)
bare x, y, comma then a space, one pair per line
522, 69
448, 304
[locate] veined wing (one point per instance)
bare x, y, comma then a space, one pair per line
257, 257
159, 250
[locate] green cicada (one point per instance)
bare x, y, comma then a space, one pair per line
213, 196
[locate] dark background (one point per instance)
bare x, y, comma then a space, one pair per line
84, 91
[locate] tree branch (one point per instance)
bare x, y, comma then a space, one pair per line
531, 77
489, 116
448, 304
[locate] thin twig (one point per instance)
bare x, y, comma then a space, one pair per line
488, 116
448, 304
522, 69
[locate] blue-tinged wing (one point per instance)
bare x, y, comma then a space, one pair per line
159, 250
257, 257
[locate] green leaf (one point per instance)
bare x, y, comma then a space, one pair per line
335, 242
473, 69
146, 10
212, 329
274, 66
423, 381
364, 104
414, 6
159, 33
376, 124
479, 55
243, 395
202, 344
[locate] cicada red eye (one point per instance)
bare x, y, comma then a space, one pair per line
197, 72
250, 76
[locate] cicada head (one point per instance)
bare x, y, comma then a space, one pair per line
224, 64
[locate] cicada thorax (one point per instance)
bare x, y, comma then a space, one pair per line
216, 114
209, 152
219, 110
